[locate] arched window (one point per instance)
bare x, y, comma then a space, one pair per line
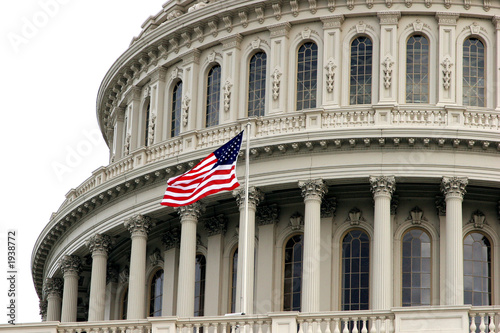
355, 270
416, 268
307, 73
146, 125
175, 123
156, 294
124, 304
417, 69
234, 275
292, 282
477, 269
257, 85
473, 73
361, 71
213, 96
199, 286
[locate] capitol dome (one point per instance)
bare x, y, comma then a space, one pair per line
374, 188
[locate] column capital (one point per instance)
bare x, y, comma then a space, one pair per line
99, 244
43, 305
192, 57
230, 42
445, 18
333, 22
171, 239
215, 225
389, 17
139, 225
268, 214
382, 185
70, 264
313, 188
192, 211
496, 22
280, 30
158, 74
255, 197
53, 287
454, 186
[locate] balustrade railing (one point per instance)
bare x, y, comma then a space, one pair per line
347, 322
113, 326
484, 320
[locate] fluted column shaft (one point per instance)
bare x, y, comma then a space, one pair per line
454, 190
187, 259
246, 244
71, 266
139, 227
382, 189
53, 290
99, 246
312, 191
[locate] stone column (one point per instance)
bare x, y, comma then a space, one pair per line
111, 288
453, 189
185, 293
171, 241
99, 246
139, 227
71, 267
230, 80
382, 188
117, 118
388, 84
332, 57
447, 57
313, 191
53, 290
278, 66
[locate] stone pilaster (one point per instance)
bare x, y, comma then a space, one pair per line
246, 248
382, 188
156, 119
139, 227
332, 58
71, 267
99, 246
313, 191
231, 50
171, 241
453, 189
53, 288
191, 70
185, 293
447, 61
278, 65
388, 84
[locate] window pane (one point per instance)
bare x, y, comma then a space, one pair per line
234, 270
417, 70
213, 96
156, 294
199, 297
361, 71
175, 124
257, 85
477, 268
473, 73
355, 259
292, 286
416, 265
307, 66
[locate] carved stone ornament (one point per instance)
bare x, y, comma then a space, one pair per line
467, 4
306, 33
156, 258
296, 221
440, 205
330, 75
53, 287
331, 5
139, 225
394, 204
454, 186
428, 3
478, 219
126, 146
387, 69
475, 28
43, 305
124, 275
369, 4
70, 264
200, 4
277, 10
275, 76
99, 244
313, 188
360, 27
418, 25
227, 95
192, 211
174, 14
112, 274
254, 199
383, 185
350, 4
447, 4
294, 4
408, 3
185, 109
328, 207
171, 239
243, 18
268, 214
256, 43
416, 216
175, 73
354, 217
151, 130
216, 225
211, 56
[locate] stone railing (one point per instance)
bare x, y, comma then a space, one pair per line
484, 319
347, 322
112, 326
297, 122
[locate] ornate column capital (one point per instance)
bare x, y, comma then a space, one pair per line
280, 30
43, 304
333, 21
99, 244
192, 211
382, 185
215, 225
171, 239
446, 18
496, 22
71, 264
389, 17
139, 225
53, 287
313, 188
268, 214
328, 207
454, 186
255, 197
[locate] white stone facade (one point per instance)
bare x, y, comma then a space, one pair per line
381, 168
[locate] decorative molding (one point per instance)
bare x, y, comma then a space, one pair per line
231, 42
394, 204
447, 4
186, 36
475, 28
313, 188
467, 4
199, 33
70, 264
43, 305
155, 258
256, 43
192, 211
124, 275
268, 214
139, 225
447, 64
487, 5
445, 18
350, 4
151, 129
478, 219
408, 3
388, 3
53, 287
216, 225
416, 216
387, 69
389, 17
312, 6
277, 10
275, 76
331, 5
279, 30
212, 55
243, 18
306, 33
112, 274
255, 197
418, 25
213, 28
99, 244
296, 221
330, 74
228, 23
171, 239
294, 4
227, 95
454, 186
328, 207
382, 185
354, 217
185, 109
333, 22
428, 3
361, 27
260, 14
369, 4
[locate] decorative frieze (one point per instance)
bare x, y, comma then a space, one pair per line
192, 211
383, 185
139, 225
328, 207
216, 225
171, 239
99, 244
268, 214
53, 287
478, 219
70, 264
454, 186
296, 221
313, 188
255, 196
354, 217
232, 42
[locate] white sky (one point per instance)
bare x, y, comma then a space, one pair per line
48, 87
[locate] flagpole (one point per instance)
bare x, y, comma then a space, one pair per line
244, 281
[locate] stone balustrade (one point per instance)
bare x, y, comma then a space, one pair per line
484, 319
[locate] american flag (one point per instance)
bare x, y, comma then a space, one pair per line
215, 173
